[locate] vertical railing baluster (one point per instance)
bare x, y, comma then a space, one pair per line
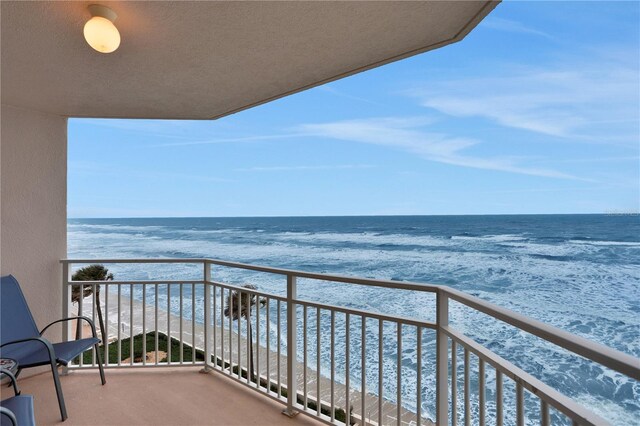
519, 404
231, 308
363, 379
155, 319
292, 345
80, 313
106, 324
131, 341
249, 338
467, 389
278, 349
380, 368
442, 362
399, 377
268, 345
454, 383
481, 392
78, 323
333, 363
222, 345
318, 341
347, 373
258, 372
419, 377
499, 408
220, 315
94, 288
206, 275
120, 324
168, 323
229, 330
144, 324
239, 316
222, 332
181, 323
544, 413
213, 292
193, 324
304, 356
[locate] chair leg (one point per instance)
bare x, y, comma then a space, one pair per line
100, 367
56, 382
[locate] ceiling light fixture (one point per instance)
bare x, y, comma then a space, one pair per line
99, 31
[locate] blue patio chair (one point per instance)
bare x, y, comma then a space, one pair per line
17, 410
21, 340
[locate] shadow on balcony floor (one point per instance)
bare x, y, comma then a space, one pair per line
160, 396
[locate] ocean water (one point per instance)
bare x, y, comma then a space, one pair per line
577, 272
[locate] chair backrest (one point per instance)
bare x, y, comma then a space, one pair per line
16, 321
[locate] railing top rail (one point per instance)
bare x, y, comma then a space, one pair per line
608, 357
542, 390
616, 360
368, 314
143, 260
403, 285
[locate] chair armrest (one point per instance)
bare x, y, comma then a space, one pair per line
87, 319
6, 412
13, 380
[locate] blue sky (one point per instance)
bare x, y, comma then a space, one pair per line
536, 111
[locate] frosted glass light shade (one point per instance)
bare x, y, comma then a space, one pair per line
101, 34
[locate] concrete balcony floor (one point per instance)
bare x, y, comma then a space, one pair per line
154, 396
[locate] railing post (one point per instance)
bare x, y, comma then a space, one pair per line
207, 317
65, 301
292, 327
442, 359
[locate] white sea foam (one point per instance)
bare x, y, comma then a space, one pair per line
494, 238
606, 243
113, 227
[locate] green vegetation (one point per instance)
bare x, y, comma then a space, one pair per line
91, 273
151, 346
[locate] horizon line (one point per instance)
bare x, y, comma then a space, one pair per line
607, 213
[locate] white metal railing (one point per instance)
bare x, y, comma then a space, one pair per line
233, 315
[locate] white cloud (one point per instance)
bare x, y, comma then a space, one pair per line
511, 26
390, 131
336, 92
595, 102
232, 140
407, 134
306, 168
96, 169
172, 129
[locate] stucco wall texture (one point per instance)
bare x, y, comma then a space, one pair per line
33, 207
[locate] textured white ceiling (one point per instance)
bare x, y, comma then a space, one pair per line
198, 60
